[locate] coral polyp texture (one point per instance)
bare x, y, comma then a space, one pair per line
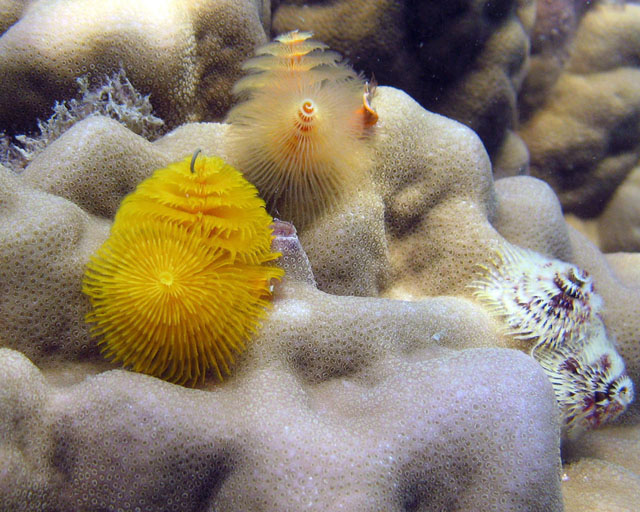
376, 381
545, 300
300, 132
590, 381
181, 282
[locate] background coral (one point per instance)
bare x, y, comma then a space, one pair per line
490, 65
333, 394
559, 74
465, 60
619, 225
555, 25
584, 139
185, 54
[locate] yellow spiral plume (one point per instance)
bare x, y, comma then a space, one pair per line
181, 282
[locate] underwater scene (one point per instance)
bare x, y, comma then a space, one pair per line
323, 255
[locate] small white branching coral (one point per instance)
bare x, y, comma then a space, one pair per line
114, 97
554, 305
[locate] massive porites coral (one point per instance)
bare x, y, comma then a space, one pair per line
333, 408
186, 54
364, 403
363, 399
430, 215
340, 402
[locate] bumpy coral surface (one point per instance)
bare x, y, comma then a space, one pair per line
333, 405
347, 355
186, 54
619, 224
386, 401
